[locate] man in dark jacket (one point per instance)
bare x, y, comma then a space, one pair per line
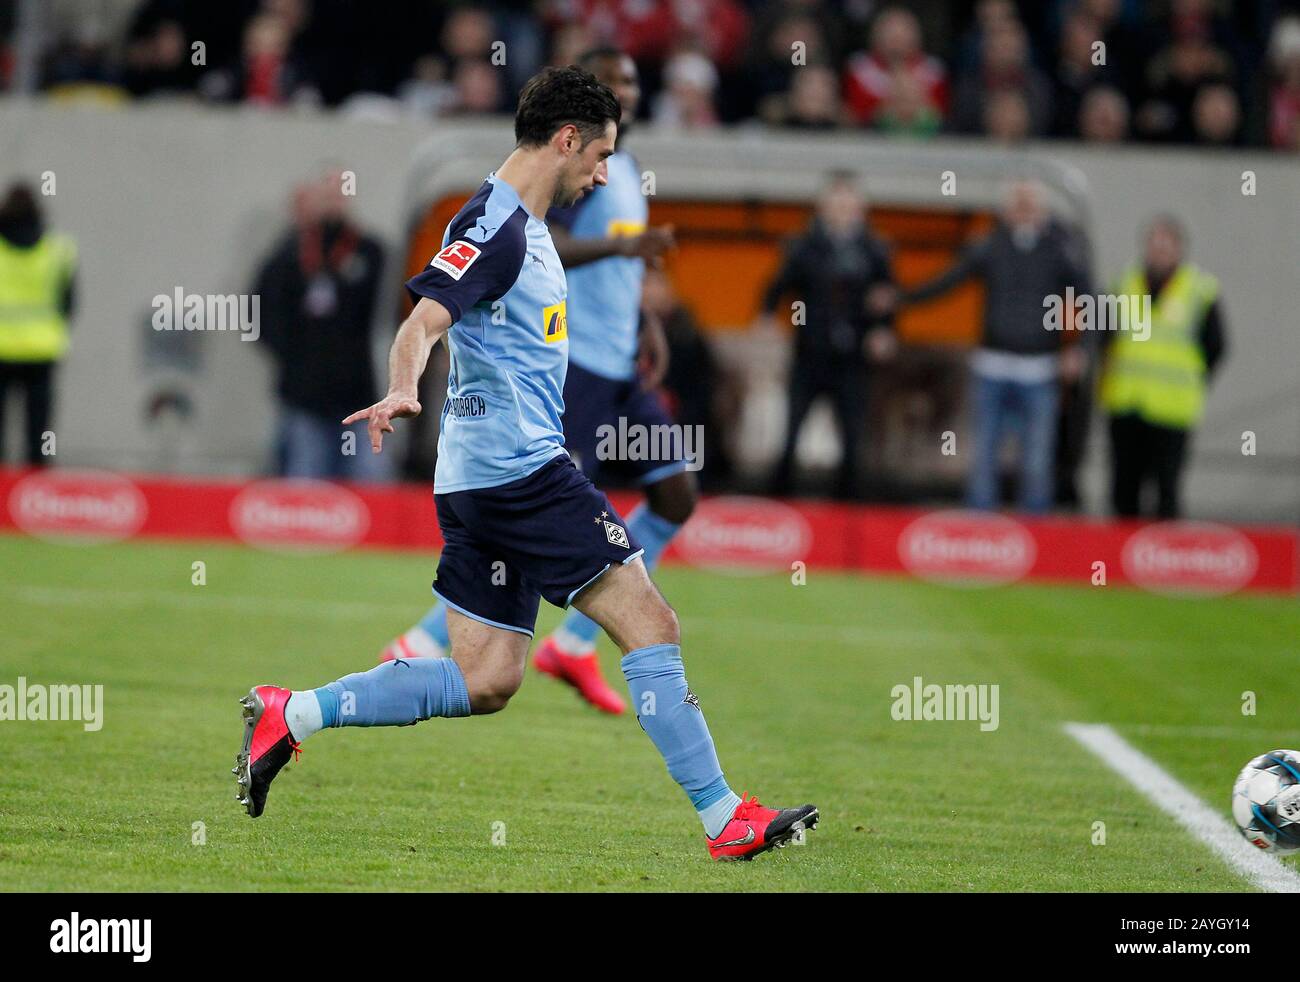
838, 280
1027, 262
318, 292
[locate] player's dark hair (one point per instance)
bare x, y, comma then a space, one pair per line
556, 97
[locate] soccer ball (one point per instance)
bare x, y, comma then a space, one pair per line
1266, 801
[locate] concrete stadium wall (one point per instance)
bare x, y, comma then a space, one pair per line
167, 196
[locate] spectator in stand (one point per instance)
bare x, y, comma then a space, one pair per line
1124, 51
269, 72
719, 28
1284, 97
1190, 61
1078, 71
1004, 68
318, 291
476, 88
1103, 117
159, 62
1017, 369
1006, 117
646, 30
270, 75
1154, 382
428, 92
686, 102
569, 43
81, 61
1216, 116
37, 269
989, 15
840, 272
771, 70
895, 48
906, 111
813, 102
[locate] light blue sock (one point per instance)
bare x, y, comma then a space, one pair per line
716, 816
670, 714
653, 534
434, 624
395, 693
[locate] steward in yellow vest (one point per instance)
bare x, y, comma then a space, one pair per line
1157, 369
37, 270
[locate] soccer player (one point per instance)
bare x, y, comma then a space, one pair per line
519, 520
604, 244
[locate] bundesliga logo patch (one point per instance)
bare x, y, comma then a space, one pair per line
456, 258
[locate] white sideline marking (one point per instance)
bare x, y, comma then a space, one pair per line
1170, 796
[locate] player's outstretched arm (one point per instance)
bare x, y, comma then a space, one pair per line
648, 245
406, 363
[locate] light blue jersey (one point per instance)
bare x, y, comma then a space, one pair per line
605, 296
500, 278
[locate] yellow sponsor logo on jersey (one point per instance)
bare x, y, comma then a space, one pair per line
619, 227
555, 323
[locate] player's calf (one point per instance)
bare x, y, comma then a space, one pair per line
633, 612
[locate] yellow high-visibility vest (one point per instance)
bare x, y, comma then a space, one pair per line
32, 285
1161, 377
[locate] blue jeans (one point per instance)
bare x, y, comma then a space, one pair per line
1027, 410
312, 447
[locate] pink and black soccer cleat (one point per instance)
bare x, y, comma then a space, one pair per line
580, 671
268, 745
754, 829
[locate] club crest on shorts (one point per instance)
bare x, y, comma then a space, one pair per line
692, 699
616, 534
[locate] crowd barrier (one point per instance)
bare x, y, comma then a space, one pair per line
734, 535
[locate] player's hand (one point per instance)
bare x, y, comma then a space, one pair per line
650, 244
653, 353
379, 416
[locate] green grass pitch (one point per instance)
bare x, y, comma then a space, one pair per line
551, 795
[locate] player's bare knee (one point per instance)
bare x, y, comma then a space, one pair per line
669, 626
660, 626
492, 693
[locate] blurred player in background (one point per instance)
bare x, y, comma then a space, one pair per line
37, 270
519, 520
604, 244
